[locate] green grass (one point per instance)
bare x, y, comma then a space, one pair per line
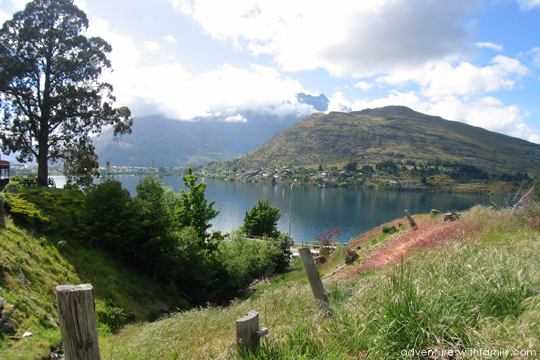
45, 264
481, 292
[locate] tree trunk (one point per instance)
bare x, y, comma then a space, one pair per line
42, 159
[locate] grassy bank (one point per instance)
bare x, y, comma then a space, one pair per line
474, 289
32, 265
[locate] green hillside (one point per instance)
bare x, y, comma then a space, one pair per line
408, 291
33, 263
391, 133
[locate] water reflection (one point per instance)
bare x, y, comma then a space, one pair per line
316, 209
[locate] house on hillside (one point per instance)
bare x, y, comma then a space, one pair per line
4, 173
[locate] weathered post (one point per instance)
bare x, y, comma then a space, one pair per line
411, 221
321, 296
77, 320
248, 334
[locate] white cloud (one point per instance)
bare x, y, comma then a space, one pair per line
4, 16
526, 5
443, 79
170, 39
236, 118
489, 46
151, 45
349, 37
487, 112
19, 4
170, 89
363, 85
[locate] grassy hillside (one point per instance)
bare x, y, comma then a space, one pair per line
390, 133
454, 286
466, 285
33, 264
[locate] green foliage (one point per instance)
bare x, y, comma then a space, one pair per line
16, 178
12, 187
281, 251
155, 205
115, 318
194, 210
351, 166
262, 220
153, 314
111, 219
193, 265
367, 169
48, 211
2, 206
81, 165
52, 99
388, 229
244, 259
388, 166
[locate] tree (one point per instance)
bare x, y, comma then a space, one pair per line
81, 166
50, 94
111, 219
155, 205
194, 209
351, 166
262, 220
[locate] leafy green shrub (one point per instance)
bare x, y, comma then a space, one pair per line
192, 265
262, 220
388, 229
50, 211
244, 259
153, 314
111, 219
115, 318
26, 211
281, 249
12, 187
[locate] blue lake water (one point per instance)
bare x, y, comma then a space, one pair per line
315, 209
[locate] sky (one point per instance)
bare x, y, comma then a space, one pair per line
472, 61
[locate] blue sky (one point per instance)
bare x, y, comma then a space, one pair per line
467, 60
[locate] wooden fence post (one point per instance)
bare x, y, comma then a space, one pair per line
77, 320
321, 296
248, 334
411, 221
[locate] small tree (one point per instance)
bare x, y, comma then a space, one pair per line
327, 239
194, 209
50, 94
352, 166
112, 221
155, 205
262, 220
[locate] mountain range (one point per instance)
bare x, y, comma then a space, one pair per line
390, 133
176, 143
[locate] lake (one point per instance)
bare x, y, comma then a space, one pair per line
315, 209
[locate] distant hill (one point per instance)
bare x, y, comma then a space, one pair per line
393, 132
174, 143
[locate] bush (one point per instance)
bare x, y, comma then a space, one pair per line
388, 229
262, 220
282, 251
244, 259
192, 266
110, 216
115, 318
